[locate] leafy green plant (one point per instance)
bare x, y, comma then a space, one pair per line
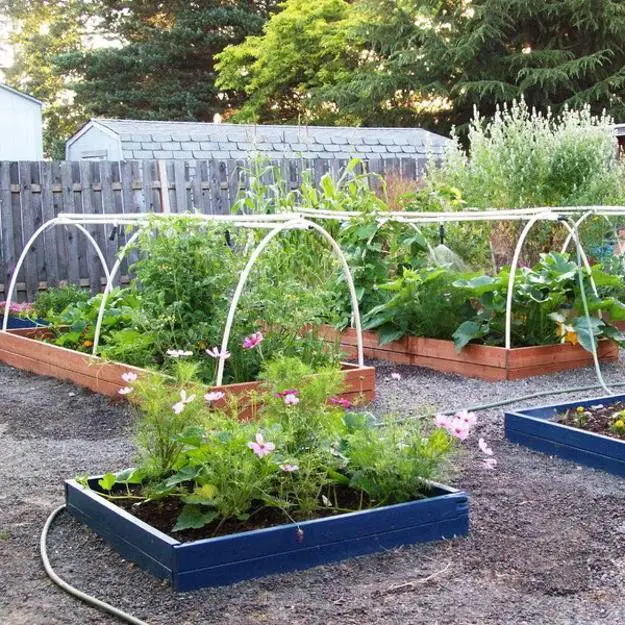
388, 463
55, 300
546, 306
74, 326
299, 454
420, 302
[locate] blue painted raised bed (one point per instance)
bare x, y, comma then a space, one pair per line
535, 428
246, 555
18, 323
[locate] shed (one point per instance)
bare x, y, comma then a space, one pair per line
619, 133
109, 139
21, 128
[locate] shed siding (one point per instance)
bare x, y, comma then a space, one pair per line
94, 144
21, 132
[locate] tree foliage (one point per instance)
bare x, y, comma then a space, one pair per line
431, 62
164, 67
303, 47
46, 30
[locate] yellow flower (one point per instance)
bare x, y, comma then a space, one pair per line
566, 333
620, 424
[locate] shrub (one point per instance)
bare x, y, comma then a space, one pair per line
56, 299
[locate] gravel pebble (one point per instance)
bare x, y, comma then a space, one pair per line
546, 541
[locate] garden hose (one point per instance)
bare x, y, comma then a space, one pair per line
79, 594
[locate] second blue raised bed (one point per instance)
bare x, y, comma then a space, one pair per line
535, 428
19, 323
246, 555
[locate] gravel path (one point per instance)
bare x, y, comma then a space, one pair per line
547, 542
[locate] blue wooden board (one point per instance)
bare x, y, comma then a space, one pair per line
17, 323
283, 562
534, 428
246, 555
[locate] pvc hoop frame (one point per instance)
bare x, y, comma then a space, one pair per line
294, 224
53, 222
578, 223
573, 229
298, 223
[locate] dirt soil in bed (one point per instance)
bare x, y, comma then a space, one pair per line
547, 542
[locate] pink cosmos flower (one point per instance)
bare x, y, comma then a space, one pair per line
178, 353
395, 376
126, 390
214, 352
184, 400
459, 429
260, 447
442, 421
214, 396
289, 468
469, 418
456, 425
291, 400
343, 403
129, 376
251, 341
484, 447
290, 391
489, 463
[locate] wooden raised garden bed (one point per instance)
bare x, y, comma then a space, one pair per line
535, 428
477, 361
227, 559
22, 349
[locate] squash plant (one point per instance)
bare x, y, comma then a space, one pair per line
467, 307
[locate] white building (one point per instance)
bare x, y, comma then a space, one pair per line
21, 128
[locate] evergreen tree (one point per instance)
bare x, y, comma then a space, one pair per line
164, 67
430, 62
433, 61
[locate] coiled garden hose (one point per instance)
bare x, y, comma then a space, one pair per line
79, 594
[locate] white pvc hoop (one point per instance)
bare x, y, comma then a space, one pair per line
515, 261
109, 287
53, 222
295, 224
578, 223
121, 254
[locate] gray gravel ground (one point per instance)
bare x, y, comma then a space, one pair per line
547, 542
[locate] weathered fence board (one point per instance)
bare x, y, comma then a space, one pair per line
31, 193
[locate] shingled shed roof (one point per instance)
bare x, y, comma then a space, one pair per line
198, 140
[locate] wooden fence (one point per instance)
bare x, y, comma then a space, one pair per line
31, 193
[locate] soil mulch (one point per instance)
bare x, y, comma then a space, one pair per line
546, 543
163, 514
597, 419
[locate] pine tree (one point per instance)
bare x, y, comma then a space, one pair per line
164, 67
433, 61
